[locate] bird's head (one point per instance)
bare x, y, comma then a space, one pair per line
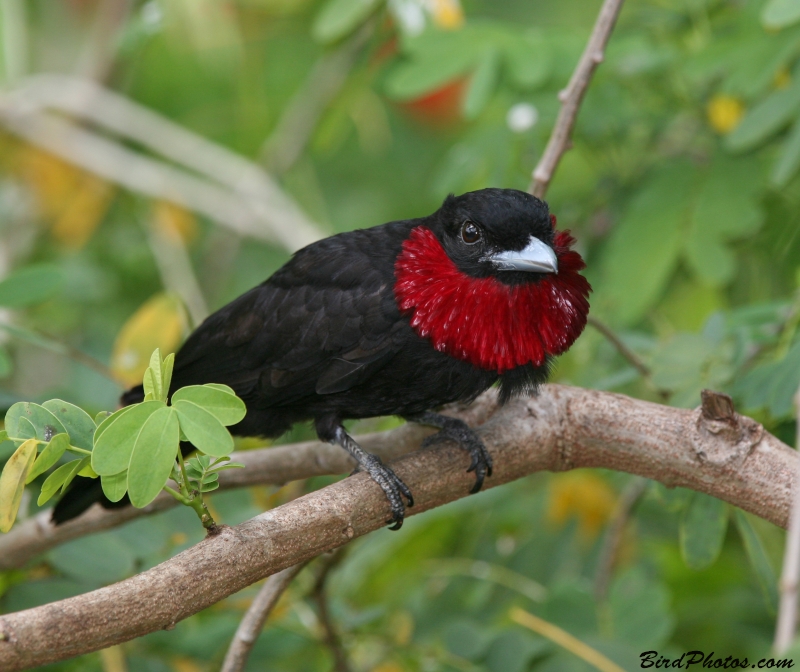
488, 279
502, 233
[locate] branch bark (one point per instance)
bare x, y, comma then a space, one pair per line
268, 466
562, 428
572, 96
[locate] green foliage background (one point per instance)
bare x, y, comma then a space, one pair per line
682, 188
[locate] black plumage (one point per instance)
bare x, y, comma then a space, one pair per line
324, 339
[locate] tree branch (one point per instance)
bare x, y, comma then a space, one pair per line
268, 466
732, 458
319, 594
253, 622
212, 180
572, 96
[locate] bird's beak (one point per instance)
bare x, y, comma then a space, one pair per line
537, 257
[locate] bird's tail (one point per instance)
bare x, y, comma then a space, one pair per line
83, 492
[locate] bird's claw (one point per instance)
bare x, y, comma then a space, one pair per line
465, 437
392, 486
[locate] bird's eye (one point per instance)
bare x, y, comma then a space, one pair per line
470, 233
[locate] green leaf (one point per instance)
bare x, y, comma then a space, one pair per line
220, 386
102, 416
529, 61
203, 430
789, 161
208, 487
45, 424
153, 455
780, 14
149, 385
225, 407
758, 560
115, 438
30, 285
766, 119
210, 478
115, 486
702, 530
645, 245
49, 456
25, 429
60, 478
6, 363
725, 209
3, 435
482, 84
338, 18
12, 483
87, 470
639, 608
435, 58
232, 465
76, 421
78, 467
772, 385
166, 374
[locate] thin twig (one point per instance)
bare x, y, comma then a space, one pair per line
786, 625
98, 55
572, 96
253, 622
608, 554
619, 344
320, 597
565, 640
175, 268
627, 354
59, 347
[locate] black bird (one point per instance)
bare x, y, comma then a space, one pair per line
398, 319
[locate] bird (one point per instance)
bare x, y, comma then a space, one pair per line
398, 319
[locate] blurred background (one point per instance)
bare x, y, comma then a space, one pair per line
159, 158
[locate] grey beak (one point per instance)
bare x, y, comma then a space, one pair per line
537, 257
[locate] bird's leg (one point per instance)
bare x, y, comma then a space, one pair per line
458, 431
382, 474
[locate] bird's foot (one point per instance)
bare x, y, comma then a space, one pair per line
383, 475
392, 485
459, 432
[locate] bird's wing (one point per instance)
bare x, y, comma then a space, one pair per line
323, 323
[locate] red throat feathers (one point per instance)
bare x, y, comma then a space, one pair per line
483, 321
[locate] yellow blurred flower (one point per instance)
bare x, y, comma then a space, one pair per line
724, 113
72, 202
447, 14
174, 220
185, 664
388, 667
159, 323
583, 495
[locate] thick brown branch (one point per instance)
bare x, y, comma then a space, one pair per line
268, 466
572, 96
562, 428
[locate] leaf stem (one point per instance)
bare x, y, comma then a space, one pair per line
177, 495
194, 498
